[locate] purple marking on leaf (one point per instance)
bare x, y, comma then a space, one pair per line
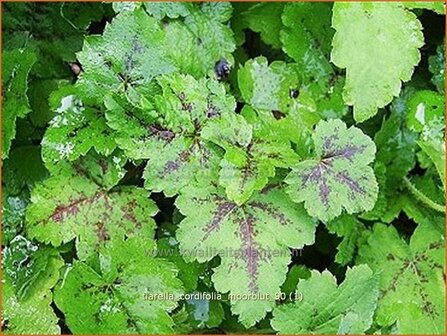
161, 133
343, 177
128, 213
251, 255
222, 211
272, 212
325, 190
314, 176
328, 144
101, 232
347, 153
63, 211
212, 111
172, 166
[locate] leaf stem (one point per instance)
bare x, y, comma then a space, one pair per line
422, 197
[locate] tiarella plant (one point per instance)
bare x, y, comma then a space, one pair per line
223, 168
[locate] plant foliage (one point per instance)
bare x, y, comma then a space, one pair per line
223, 168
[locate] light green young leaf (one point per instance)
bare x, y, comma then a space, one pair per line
124, 6
378, 45
115, 297
277, 87
431, 124
73, 205
330, 309
252, 241
268, 87
412, 286
339, 177
16, 65
203, 38
75, 129
249, 160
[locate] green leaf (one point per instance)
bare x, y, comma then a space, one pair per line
412, 282
39, 93
115, 298
31, 269
29, 272
252, 241
73, 205
31, 316
24, 168
265, 18
188, 272
172, 125
16, 65
203, 38
295, 274
307, 37
172, 10
424, 106
350, 230
13, 213
75, 129
437, 68
126, 57
265, 86
339, 176
377, 44
136, 47
396, 143
326, 308
436, 6
249, 160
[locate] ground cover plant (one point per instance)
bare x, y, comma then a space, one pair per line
251, 168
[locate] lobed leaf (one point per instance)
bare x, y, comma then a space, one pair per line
16, 65
252, 241
115, 297
330, 309
87, 211
378, 45
339, 176
411, 282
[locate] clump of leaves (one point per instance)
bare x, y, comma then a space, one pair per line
287, 158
